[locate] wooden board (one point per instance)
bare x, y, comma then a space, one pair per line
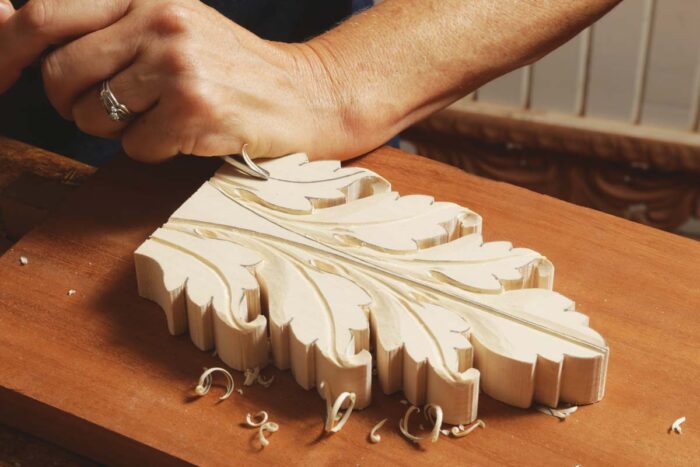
99, 373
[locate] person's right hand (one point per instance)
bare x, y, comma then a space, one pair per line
6, 10
25, 34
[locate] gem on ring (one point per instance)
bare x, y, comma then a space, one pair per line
115, 110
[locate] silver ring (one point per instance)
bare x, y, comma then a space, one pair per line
250, 167
116, 111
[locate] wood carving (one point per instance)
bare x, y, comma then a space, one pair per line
325, 270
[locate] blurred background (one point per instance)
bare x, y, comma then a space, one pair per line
611, 120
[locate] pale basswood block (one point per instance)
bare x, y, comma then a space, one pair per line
322, 269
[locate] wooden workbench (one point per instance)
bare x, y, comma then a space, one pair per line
98, 372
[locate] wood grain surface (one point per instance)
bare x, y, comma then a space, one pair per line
98, 373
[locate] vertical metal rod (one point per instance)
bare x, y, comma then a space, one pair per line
584, 70
643, 61
526, 87
695, 100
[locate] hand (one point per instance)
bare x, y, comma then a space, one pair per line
198, 83
6, 10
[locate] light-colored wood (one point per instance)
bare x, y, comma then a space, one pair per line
584, 71
98, 372
526, 87
642, 71
341, 260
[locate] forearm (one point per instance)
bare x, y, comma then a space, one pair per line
398, 62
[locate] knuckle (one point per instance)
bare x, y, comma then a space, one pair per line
171, 18
86, 125
177, 59
133, 149
35, 15
211, 145
51, 72
93, 126
196, 103
54, 78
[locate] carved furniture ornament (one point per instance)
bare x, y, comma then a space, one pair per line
326, 271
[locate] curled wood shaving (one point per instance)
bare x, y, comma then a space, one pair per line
239, 391
72, 292
251, 375
437, 422
561, 414
270, 427
403, 424
333, 423
205, 380
460, 431
23, 260
374, 437
256, 420
265, 382
676, 426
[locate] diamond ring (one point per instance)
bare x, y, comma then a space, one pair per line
116, 111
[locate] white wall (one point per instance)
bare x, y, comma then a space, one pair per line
670, 87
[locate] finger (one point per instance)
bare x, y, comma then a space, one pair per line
137, 87
172, 128
6, 10
71, 70
41, 23
153, 136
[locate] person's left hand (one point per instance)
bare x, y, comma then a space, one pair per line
198, 84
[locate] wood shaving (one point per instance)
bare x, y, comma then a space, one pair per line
72, 292
460, 431
676, 426
404, 401
561, 414
239, 391
374, 437
270, 427
256, 420
403, 424
251, 376
205, 381
437, 421
23, 260
265, 382
334, 423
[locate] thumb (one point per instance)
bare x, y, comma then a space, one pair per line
6, 10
